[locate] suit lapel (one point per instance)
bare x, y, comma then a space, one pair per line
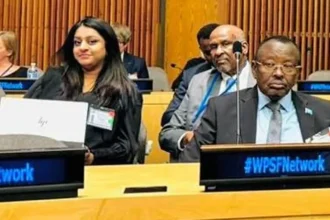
305, 116
208, 81
248, 114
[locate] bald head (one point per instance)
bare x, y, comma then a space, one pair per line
221, 42
278, 39
232, 31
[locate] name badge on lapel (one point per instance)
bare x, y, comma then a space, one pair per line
101, 117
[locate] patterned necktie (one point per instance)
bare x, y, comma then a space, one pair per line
275, 124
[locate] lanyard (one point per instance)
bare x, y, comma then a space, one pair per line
206, 97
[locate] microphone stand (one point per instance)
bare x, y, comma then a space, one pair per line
173, 65
238, 131
237, 50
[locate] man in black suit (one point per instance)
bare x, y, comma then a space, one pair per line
190, 63
135, 66
298, 116
203, 38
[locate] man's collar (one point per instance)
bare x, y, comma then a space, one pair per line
286, 101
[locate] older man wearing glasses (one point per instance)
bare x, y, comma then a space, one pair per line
270, 112
220, 80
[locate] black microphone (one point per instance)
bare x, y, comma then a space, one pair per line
237, 50
173, 65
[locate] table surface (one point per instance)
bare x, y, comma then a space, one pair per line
103, 198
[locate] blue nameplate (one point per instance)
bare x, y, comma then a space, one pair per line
41, 174
27, 172
22, 85
315, 87
254, 167
16, 85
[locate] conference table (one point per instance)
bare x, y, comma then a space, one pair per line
154, 105
103, 197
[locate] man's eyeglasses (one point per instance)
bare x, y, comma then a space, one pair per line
289, 69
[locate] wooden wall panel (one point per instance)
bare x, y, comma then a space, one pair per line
307, 22
183, 20
42, 25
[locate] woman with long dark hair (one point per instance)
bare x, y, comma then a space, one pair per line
91, 70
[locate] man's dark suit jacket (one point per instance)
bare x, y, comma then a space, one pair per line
218, 125
180, 92
191, 63
117, 146
134, 64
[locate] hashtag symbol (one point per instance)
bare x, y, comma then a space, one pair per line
247, 165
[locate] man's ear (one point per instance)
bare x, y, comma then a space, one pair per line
298, 74
201, 54
245, 48
125, 46
254, 69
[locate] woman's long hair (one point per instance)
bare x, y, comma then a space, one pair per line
112, 84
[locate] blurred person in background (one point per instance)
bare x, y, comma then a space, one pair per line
8, 52
218, 81
135, 66
193, 67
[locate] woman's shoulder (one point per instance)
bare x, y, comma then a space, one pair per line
47, 86
53, 74
54, 71
52, 77
22, 69
20, 72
